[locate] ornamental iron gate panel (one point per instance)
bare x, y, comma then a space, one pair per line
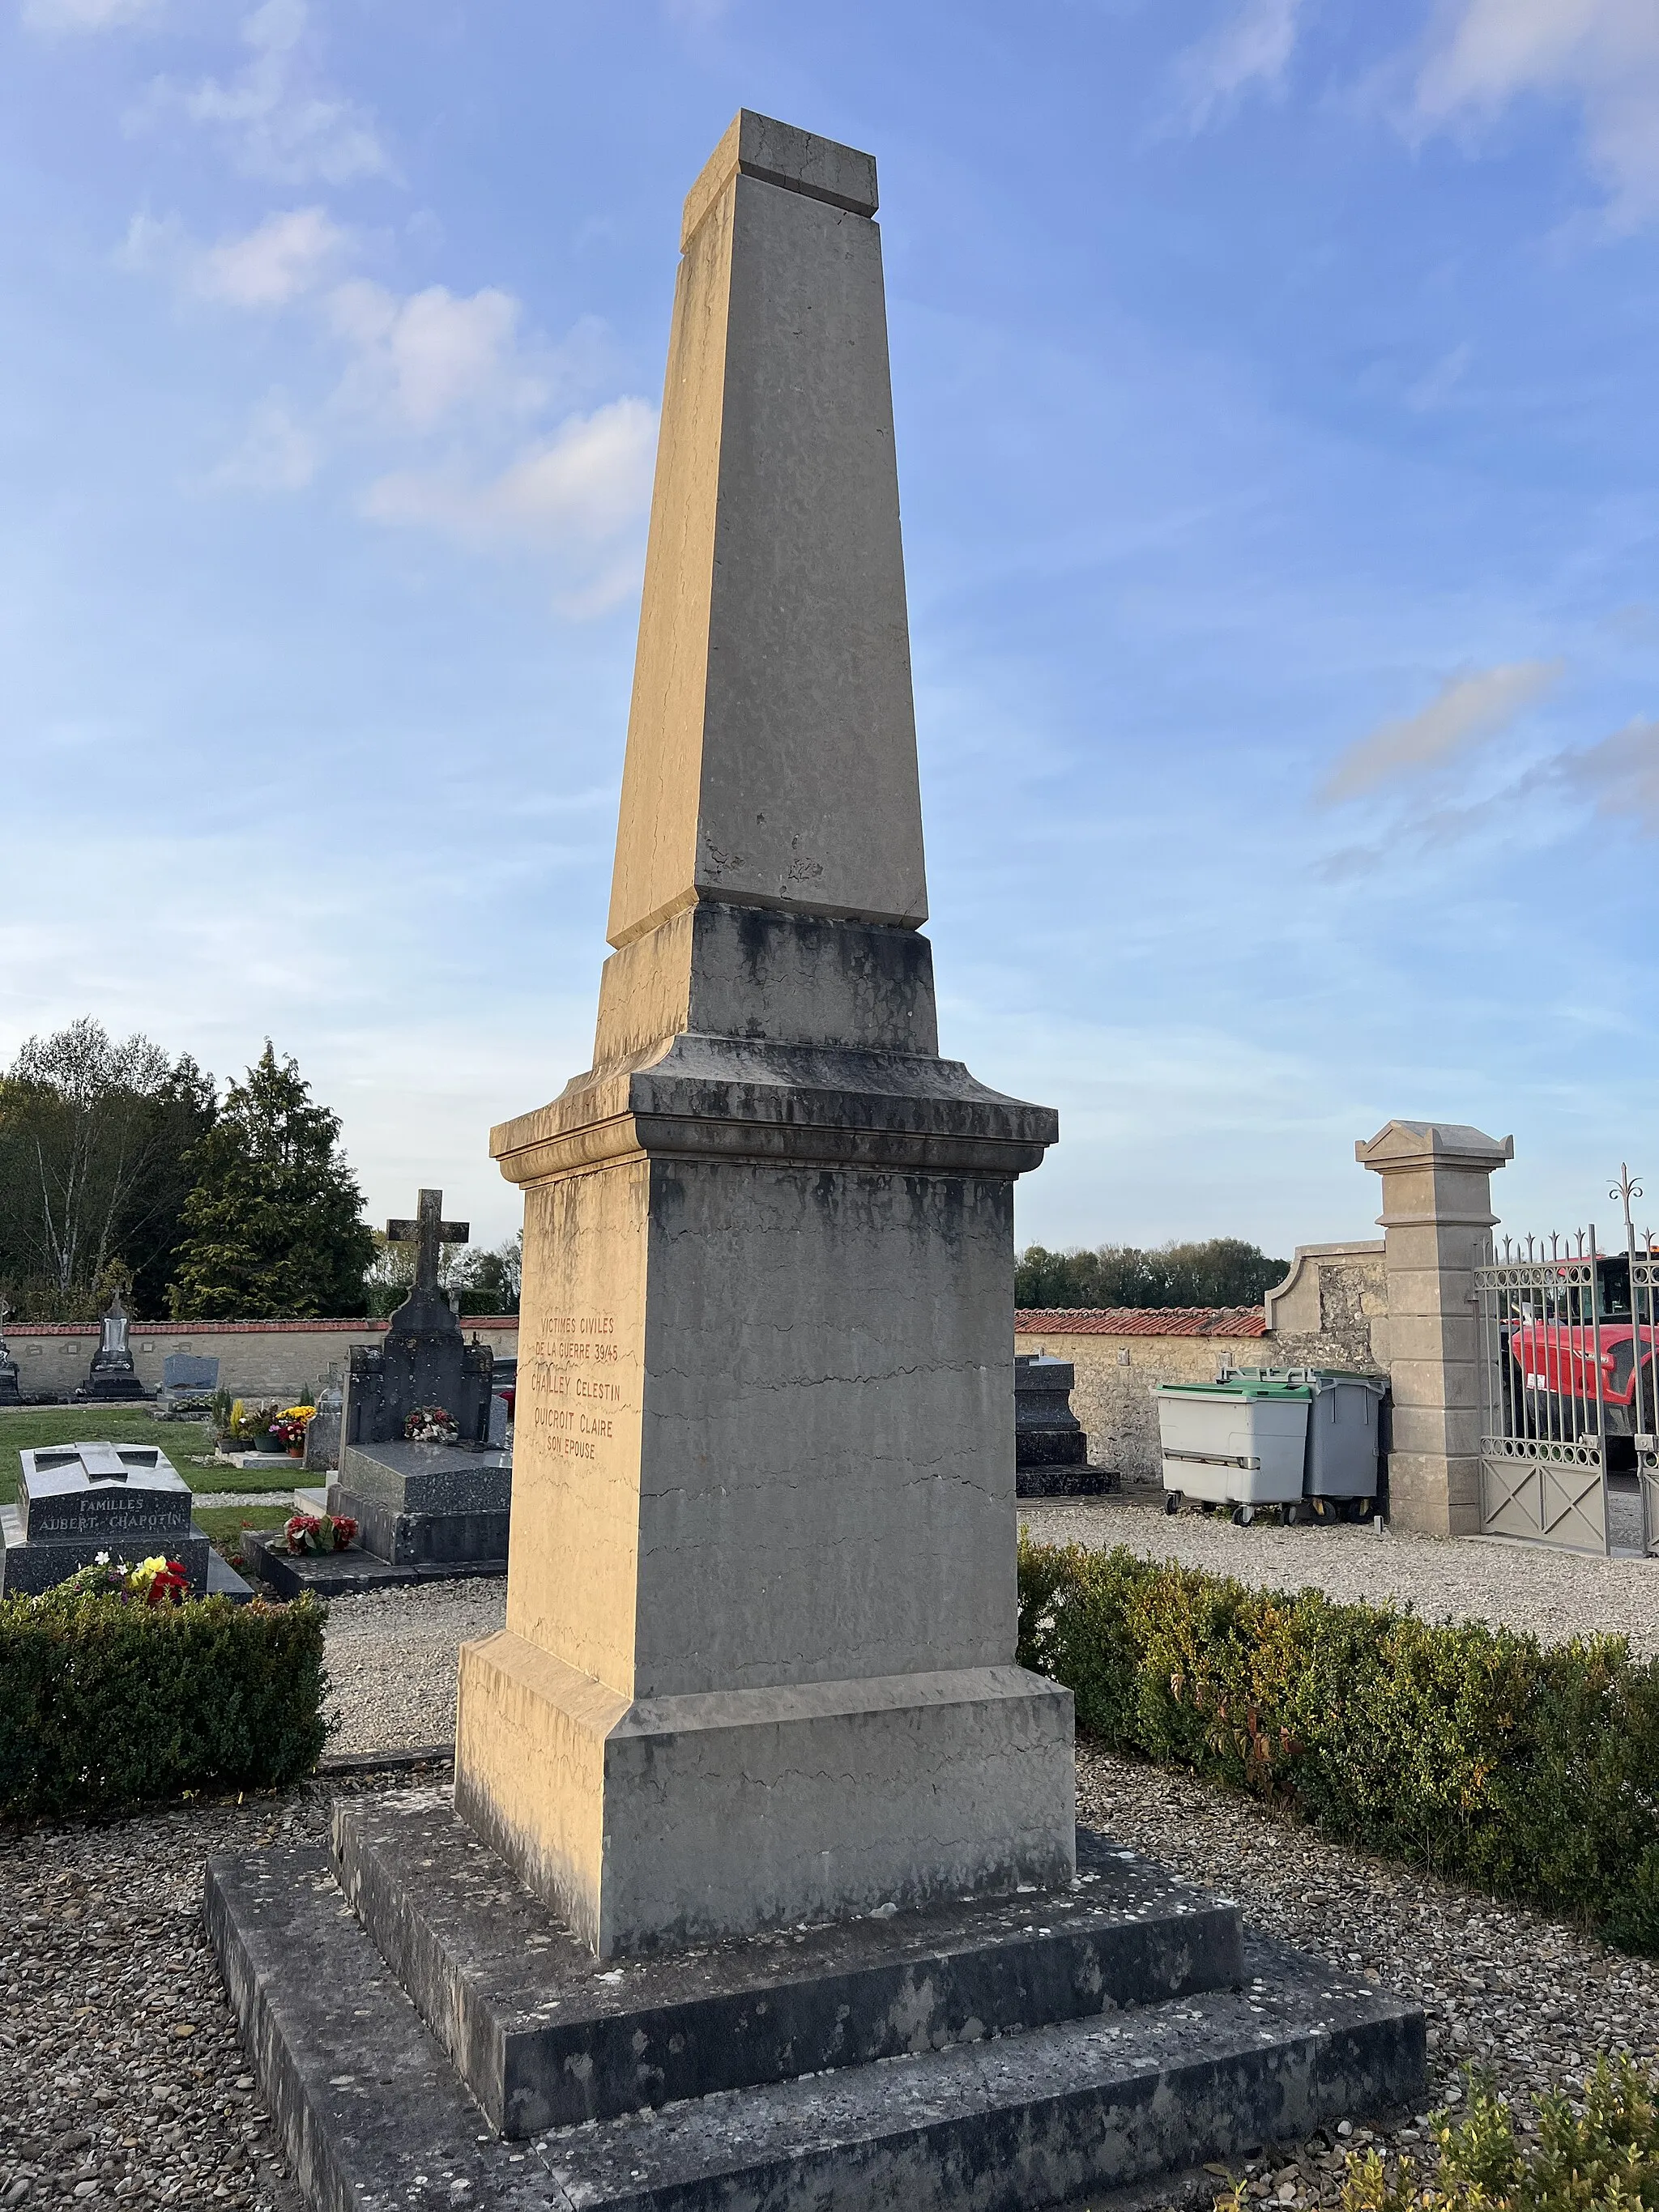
1569, 1454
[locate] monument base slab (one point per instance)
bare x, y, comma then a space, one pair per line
375, 2115
350, 1574
545, 2034
683, 1819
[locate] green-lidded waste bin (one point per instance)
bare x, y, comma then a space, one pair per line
1242, 1442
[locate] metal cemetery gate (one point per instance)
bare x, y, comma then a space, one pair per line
1568, 1442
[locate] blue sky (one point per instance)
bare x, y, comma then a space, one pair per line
1276, 427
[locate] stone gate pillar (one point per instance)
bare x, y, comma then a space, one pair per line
1436, 1211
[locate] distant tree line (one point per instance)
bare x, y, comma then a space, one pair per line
121, 1167
1224, 1270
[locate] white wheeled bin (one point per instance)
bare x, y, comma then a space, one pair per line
1241, 1443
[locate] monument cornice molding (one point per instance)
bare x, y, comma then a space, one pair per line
738, 1098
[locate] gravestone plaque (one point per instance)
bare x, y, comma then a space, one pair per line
78, 1501
10, 1393
424, 1359
188, 1370
112, 1375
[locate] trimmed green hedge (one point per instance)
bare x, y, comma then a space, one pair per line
1528, 1772
104, 1706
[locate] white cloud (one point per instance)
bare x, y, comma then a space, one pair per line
416, 359
279, 115
1253, 48
286, 256
586, 485
1466, 710
278, 454
1601, 54
84, 14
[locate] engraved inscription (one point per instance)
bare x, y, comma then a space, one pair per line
568, 1383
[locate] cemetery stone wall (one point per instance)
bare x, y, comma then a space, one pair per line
256, 1359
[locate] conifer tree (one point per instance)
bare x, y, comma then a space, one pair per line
273, 1227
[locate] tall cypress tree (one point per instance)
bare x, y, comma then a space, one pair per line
273, 1228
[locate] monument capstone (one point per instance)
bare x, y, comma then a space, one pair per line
750, 1793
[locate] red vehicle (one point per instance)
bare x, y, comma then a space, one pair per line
1555, 1352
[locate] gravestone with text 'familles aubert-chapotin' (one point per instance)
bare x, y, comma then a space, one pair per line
749, 1792
84, 1503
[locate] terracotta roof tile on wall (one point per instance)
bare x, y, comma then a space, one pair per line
1141, 1321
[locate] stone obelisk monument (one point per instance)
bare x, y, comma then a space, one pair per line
758, 1659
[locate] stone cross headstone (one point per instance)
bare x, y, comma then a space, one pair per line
113, 1374
10, 1393
758, 1659
423, 1359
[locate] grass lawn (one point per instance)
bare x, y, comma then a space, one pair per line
188, 1444
223, 1525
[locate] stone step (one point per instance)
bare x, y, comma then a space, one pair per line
545, 2034
374, 2116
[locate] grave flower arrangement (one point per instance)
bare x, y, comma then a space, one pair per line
320, 1532
430, 1425
249, 1424
288, 1432
158, 1581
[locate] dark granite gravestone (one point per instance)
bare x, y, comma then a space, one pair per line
425, 1512
77, 1503
1051, 1452
188, 1370
112, 1375
424, 1360
10, 1393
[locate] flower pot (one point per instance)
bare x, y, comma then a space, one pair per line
296, 1451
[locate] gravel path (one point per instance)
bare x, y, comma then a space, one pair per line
120, 2078
1551, 1594
392, 1660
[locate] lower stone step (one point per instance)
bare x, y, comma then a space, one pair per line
545, 2034
375, 2115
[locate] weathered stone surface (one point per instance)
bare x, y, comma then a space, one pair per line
374, 2116
771, 752
543, 2035
765, 1400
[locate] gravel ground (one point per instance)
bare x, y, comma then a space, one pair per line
120, 2077
1553, 1595
392, 1660
1506, 1991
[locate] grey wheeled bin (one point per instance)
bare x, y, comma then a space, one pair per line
1241, 1442
1345, 1441
1345, 1435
